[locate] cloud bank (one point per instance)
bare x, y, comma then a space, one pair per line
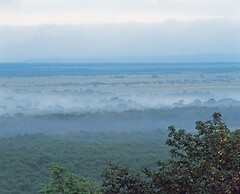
114, 40
31, 29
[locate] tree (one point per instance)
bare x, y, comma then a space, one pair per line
64, 181
205, 162
122, 180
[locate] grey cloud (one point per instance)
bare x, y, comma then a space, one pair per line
112, 40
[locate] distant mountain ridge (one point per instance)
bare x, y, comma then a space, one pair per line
233, 57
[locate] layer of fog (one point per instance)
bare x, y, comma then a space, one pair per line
122, 102
88, 101
117, 93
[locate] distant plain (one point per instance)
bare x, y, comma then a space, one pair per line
57, 98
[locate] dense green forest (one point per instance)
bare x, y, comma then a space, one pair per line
206, 161
25, 159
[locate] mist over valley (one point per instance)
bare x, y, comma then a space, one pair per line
58, 98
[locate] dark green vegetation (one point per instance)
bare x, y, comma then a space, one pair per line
64, 181
207, 162
204, 162
131, 120
25, 159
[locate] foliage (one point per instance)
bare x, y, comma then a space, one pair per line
207, 162
25, 159
64, 181
122, 180
204, 162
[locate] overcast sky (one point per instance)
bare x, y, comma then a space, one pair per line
111, 28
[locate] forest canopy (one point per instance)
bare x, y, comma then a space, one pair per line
205, 162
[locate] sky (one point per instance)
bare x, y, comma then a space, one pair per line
66, 29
